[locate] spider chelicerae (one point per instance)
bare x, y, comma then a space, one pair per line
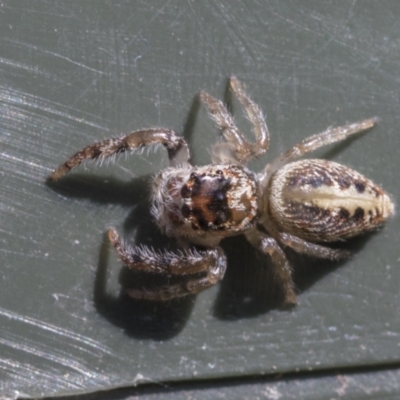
300, 204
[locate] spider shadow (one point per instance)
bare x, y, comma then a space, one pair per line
308, 270
338, 147
250, 288
102, 190
139, 319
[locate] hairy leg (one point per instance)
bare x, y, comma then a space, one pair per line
142, 258
312, 249
314, 142
236, 148
185, 264
255, 116
178, 150
270, 246
187, 287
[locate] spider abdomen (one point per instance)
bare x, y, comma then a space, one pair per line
323, 201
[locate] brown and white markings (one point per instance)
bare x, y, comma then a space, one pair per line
323, 201
291, 203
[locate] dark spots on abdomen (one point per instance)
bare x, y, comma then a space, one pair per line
315, 177
344, 214
343, 182
293, 181
316, 181
358, 214
304, 212
360, 186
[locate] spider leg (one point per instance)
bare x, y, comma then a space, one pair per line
236, 149
270, 246
312, 249
142, 258
255, 116
178, 150
331, 135
211, 262
187, 287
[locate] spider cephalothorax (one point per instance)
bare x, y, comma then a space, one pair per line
205, 202
290, 203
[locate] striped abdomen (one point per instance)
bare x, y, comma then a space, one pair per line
323, 201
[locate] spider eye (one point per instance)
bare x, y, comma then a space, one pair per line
186, 191
195, 178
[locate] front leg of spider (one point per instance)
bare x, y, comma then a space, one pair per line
236, 148
198, 269
178, 150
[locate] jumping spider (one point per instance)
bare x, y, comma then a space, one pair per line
290, 203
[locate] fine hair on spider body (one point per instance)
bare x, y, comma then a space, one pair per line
300, 204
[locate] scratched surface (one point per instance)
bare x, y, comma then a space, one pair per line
74, 73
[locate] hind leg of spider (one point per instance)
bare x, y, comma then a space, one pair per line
283, 271
178, 150
312, 249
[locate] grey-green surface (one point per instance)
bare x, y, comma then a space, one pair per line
73, 73
381, 384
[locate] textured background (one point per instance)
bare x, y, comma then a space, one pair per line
73, 73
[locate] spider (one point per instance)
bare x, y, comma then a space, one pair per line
300, 204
